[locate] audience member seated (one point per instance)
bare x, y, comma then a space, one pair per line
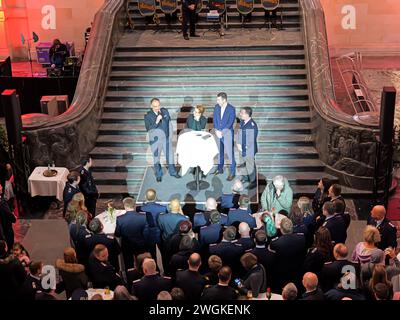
214, 265
98, 237
363, 250
151, 284
379, 276
221, 291
71, 272
255, 279
229, 201
264, 256
12, 274
177, 294
130, 227
229, 251
299, 226
190, 280
100, 271
243, 213
331, 273
71, 188
121, 293
245, 240
210, 233
290, 250
340, 293
136, 273
289, 292
179, 260
320, 253
310, 283
321, 195
277, 196
335, 194
201, 219
334, 222
78, 231
387, 230
22, 255
33, 281
382, 292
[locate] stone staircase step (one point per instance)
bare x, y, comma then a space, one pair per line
299, 128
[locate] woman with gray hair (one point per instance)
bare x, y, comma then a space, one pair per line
277, 196
121, 293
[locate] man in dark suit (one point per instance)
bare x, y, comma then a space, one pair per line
221, 291
158, 125
190, 280
335, 193
101, 272
290, 250
224, 120
245, 239
189, 16
334, 223
88, 186
98, 237
332, 271
71, 188
386, 228
243, 214
247, 146
310, 283
229, 250
129, 228
264, 256
148, 287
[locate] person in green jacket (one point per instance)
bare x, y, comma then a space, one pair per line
277, 196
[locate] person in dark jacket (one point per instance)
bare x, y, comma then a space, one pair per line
245, 239
136, 273
151, 206
88, 186
7, 218
221, 291
33, 282
386, 228
255, 279
12, 274
243, 213
310, 283
211, 233
229, 250
71, 272
151, 284
335, 194
189, 16
321, 195
197, 121
78, 231
100, 271
190, 280
130, 228
98, 237
320, 253
231, 200
71, 187
179, 261
58, 53
214, 265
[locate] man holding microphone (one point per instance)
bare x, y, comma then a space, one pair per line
158, 126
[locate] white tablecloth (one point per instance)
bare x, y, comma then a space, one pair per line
193, 150
91, 292
109, 223
39, 185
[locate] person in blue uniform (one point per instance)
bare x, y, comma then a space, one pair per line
151, 206
201, 219
386, 228
197, 121
224, 119
158, 125
211, 233
243, 214
88, 186
334, 223
247, 145
130, 228
71, 188
231, 200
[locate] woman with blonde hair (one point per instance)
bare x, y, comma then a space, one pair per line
77, 204
364, 250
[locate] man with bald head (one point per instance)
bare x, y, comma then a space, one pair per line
386, 228
191, 281
148, 287
151, 206
332, 271
310, 283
